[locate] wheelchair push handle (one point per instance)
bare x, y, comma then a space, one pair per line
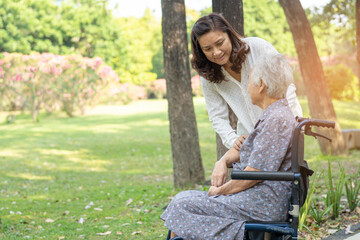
308, 123
316, 122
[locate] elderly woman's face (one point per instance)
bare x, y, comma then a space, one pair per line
216, 46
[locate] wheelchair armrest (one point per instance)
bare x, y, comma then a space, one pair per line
262, 175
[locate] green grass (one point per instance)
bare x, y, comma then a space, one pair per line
121, 162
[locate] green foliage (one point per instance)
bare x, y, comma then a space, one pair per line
317, 214
334, 27
144, 47
342, 82
334, 192
266, 19
304, 211
352, 187
29, 25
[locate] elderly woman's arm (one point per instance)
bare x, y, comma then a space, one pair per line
218, 177
234, 186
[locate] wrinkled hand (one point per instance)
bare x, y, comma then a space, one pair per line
213, 191
239, 142
218, 177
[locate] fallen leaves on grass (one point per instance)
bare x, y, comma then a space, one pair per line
136, 233
49, 220
348, 230
129, 201
104, 234
343, 222
89, 205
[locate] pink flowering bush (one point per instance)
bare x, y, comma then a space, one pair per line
124, 93
157, 88
196, 86
51, 81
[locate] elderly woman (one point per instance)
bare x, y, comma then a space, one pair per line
221, 212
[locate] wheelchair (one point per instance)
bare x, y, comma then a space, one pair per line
298, 176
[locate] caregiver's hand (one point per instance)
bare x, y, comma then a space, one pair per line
239, 142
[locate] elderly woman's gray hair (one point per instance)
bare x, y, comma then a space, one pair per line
276, 73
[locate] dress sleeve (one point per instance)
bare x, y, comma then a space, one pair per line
218, 114
293, 101
270, 144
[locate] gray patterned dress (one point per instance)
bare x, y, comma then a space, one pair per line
195, 215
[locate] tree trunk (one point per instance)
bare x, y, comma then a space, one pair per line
357, 19
318, 93
187, 164
232, 11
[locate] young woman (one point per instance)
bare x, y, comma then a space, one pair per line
223, 59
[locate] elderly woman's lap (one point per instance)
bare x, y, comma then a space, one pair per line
195, 215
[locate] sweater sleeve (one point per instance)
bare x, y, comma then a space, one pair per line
293, 101
218, 113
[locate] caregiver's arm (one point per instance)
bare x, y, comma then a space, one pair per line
218, 113
234, 186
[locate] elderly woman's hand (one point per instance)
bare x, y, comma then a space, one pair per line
213, 191
218, 177
239, 142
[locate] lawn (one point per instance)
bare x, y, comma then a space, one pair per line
108, 174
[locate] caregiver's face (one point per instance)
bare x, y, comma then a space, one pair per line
216, 46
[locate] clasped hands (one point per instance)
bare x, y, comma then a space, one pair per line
219, 175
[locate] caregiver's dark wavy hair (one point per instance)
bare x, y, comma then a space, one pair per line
207, 69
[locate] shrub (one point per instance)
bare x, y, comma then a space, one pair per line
342, 82
157, 89
52, 81
196, 86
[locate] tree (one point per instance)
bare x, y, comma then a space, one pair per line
187, 164
357, 9
232, 10
318, 93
